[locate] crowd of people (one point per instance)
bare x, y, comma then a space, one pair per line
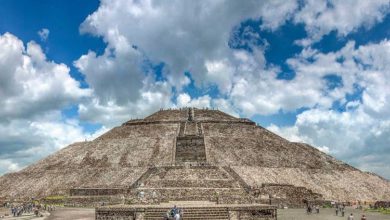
309, 209
18, 209
339, 210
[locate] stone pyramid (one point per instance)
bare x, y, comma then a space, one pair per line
194, 154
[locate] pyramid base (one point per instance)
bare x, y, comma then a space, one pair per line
189, 210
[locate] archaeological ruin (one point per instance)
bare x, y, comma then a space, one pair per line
211, 164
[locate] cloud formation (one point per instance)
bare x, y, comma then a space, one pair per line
33, 92
342, 95
192, 37
322, 17
29, 84
359, 134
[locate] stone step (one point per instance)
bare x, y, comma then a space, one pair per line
197, 212
222, 195
186, 203
191, 129
206, 217
181, 131
187, 216
193, 210
208, 183
161, 214
191, 213
190, 209
192, 217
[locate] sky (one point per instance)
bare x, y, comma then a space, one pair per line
313, 71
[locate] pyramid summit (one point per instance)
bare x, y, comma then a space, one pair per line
193, 154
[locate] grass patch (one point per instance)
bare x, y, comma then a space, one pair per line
385, 211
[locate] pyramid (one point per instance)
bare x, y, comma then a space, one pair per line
193, 154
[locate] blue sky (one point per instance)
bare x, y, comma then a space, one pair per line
311, 71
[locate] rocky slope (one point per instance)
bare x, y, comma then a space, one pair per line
120, 156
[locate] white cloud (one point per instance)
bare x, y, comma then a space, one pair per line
23, 142
185, 100
152, 96
29, 84
351, 136
290, 133
221, 73
256, 89
186, 35
360, 134
225, 106
43, 34
33, 91
276, 13
6, 165
320, 17
192, 36
115, 76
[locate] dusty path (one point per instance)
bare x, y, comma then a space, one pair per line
327, 214
72, 214
283, 214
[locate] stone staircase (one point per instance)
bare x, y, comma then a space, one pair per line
191, 213
193, 210
222, 195
182, 183
190, 145
191, 178
182, 128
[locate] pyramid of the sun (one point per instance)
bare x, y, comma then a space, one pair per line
194, 154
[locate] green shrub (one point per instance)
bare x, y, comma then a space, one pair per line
380, 210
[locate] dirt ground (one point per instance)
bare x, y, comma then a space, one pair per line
72, 214
327, 214
283, 214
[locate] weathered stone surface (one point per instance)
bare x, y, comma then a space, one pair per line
194, 211
139, 151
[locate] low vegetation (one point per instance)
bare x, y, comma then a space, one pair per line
380, 210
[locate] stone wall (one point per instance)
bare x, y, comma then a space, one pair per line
190, 149
93, 201
333, 185
209, 212
115, 214
285, 195
220, 195
96, 191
